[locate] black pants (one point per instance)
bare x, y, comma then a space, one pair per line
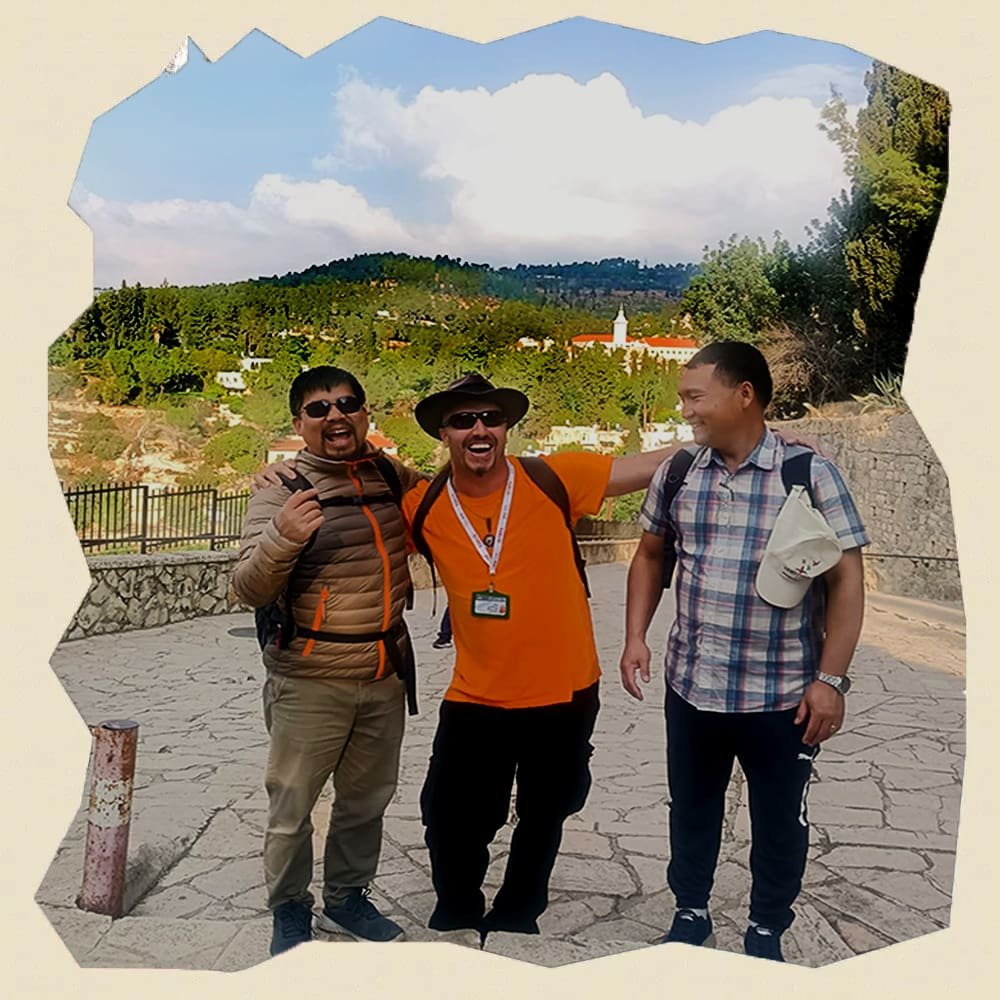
701, 747
478, 750
444, 629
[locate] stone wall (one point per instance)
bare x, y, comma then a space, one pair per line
902, 493
897, 482
142, 591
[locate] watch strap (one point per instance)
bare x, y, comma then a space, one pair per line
837, 681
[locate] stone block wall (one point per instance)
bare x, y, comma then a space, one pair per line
130, 592
902, 494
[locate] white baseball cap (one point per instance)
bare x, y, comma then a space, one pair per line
802, 547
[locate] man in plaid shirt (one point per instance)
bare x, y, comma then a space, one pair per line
746, 680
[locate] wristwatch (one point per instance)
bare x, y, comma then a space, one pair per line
839, 682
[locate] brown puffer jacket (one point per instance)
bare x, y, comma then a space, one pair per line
353, 579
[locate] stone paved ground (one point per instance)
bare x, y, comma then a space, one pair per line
884, 802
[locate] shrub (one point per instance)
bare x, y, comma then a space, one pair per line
187, 413
268, 410
626, 507
203, 475
236, 443
64, 381
99, 438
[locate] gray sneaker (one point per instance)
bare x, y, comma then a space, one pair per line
360, 918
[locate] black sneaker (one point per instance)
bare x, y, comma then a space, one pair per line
689, 928
494, 921
762, 942
359, 917
440, 643
292, 926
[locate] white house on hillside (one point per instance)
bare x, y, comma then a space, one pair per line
233, 381
679, 349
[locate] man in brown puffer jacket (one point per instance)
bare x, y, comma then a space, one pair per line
334, 700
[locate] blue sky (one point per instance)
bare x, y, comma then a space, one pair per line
572, 141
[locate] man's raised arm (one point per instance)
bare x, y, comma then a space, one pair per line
633, 472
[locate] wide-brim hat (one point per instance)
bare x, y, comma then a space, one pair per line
470, 390
802, 547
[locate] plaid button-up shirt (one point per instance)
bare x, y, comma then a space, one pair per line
729, 650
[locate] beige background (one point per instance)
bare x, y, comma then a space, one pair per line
64, 64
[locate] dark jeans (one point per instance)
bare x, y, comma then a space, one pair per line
444, 629
478, 750
701, 748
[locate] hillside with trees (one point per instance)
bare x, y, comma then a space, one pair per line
833, 315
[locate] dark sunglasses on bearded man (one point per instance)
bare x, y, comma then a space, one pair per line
465, 420
321, 407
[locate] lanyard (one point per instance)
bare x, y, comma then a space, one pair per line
491, 559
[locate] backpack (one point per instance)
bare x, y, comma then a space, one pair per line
796, 470
276, 623
540, 473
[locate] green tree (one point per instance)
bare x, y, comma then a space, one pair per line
896, 155
117, 381
268, 411
415, 446
733, 297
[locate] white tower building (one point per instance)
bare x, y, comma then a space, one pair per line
621, 329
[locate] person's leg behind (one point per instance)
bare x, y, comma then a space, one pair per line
553, 781
443, 639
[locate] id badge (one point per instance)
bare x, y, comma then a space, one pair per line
490, 604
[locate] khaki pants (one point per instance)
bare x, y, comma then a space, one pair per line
352, 730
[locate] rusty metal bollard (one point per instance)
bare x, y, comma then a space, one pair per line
110, 814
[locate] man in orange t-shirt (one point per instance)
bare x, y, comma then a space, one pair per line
523, 700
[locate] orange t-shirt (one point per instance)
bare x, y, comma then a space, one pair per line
545, 650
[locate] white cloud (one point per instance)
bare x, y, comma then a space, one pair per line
286, 226
540, 170
549, 166
813, 81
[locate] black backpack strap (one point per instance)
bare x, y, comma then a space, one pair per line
677, 471
295, 482
388, 471
547, 480
390, 474
404, 665
358, 500
434, 488
796, 470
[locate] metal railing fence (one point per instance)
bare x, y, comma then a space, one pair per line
139, 518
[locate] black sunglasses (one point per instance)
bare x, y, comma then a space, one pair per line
321, 407
465, 420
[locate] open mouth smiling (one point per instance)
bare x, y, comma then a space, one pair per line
339, 435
